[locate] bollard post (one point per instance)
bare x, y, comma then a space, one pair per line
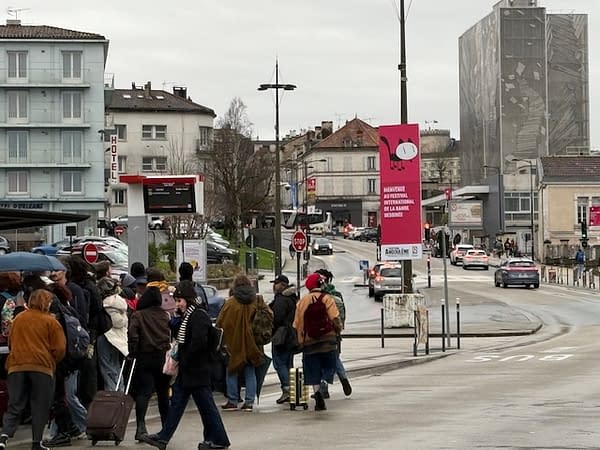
382, 331
443, 327
458, 323
429, 271
415, 334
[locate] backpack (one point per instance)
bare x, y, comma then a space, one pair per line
217, 349
7, 312
262, 322
78, 338
316, 320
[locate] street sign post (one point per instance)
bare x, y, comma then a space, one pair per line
299, 243
90, 253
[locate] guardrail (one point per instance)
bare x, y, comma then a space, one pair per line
586, 277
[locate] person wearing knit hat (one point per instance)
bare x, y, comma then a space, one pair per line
317, 323
194, 374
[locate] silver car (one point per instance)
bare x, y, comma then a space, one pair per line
387, 281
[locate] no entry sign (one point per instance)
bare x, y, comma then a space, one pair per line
90, 253
299, 241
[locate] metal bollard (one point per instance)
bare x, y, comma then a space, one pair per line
458, 323
443, 327
429, 271
382, 331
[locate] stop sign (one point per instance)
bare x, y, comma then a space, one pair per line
119, 230
90, 252
299, 241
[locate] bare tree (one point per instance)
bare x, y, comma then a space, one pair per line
240, 177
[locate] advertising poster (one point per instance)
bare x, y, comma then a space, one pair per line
594, 216
400, 192
466, 214
194, 252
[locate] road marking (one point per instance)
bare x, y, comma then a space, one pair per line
558, 350
523, 357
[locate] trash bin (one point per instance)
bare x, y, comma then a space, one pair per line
251, 261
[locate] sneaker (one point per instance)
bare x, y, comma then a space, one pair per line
39, 446
208, 445
229, 406
77, 435
285, 397
346, 386
60, 440
246, 408
155, 441
319, 402
324, 389
3, 441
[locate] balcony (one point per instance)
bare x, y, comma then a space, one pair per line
46, 118
45, 78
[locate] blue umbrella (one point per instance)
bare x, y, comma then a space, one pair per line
29, 262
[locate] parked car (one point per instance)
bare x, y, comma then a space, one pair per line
218, 254
322, 246
388, 281
4, 245
118, 259
368, 235
106, 240
517, 271
157, 223
476, 258
119, 220
51, 249
215, 300
457, 253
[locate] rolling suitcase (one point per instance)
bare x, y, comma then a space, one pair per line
108, 414
298, 390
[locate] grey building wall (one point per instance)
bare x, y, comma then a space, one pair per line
523, 79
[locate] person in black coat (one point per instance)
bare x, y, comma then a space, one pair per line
284, 310
192, 333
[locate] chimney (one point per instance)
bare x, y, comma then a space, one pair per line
13, 22
326, 128
133, 85
148, 90
180, 91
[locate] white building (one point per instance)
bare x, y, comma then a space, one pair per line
51, 109
158, 133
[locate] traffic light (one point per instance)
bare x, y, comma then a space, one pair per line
427, 228
584, 235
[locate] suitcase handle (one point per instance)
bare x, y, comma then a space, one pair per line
121, 377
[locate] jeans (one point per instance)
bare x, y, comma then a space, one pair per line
109, 363
214, 430
76, 409
35, 388
233, 393
283, 361
339, 368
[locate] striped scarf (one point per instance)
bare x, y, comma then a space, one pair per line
188, 312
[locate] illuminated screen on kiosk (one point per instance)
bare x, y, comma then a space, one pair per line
169, 198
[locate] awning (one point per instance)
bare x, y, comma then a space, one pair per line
12, 218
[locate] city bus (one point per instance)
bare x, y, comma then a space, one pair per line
320, 222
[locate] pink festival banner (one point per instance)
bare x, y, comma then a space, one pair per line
400, 192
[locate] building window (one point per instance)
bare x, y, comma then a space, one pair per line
18, 107
71, 105
17, 66
72, 183
71, 65
119, 196
371, 163
18, 182
122, 164
18, 144
517, 206
582, 209
121, 132
72, 146
158, 132
205, 136
372, 186
154, 163
347, 187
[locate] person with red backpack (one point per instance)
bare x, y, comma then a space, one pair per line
317, 323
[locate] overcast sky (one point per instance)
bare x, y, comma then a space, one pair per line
342, 54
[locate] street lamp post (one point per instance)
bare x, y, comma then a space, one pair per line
531, 209
286, 87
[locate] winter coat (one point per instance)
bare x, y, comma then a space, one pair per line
327, 342
149, 325
116, 307
236, 320
284, 307
195, 365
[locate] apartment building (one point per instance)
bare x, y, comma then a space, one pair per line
52, 109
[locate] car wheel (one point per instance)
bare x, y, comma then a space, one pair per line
496, 283
464, 267
536, 285
2, 251
504, 285
487, 267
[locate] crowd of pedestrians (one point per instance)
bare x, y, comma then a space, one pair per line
69, 333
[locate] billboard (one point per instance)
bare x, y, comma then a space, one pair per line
466, 214
594, 216
400, 192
